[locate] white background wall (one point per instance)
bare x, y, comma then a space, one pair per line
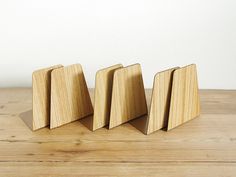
97, 33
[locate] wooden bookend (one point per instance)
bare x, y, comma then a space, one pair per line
70, 98
185, 102
41, 86
128, 96
102, 99
159, 105
160, 101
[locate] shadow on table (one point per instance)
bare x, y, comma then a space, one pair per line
27, 118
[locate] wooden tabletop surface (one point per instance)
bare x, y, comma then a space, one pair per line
205, 146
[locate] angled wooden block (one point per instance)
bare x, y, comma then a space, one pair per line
159, 105
70, 98
102, 97
160, 101
41, 85
185, 103
128, 96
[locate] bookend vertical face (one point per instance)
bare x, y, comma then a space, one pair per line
128, 96
41, 85
102, 98
70, 98
159, 105
160, 101
185, 102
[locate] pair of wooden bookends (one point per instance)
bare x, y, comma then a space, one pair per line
60, 96
175, 100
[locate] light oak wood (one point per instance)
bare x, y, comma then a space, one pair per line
185, 103
41, 86
119, 169
205, 146
103, 93
160, 101
128, 96
70, 98
102, 99
158, 106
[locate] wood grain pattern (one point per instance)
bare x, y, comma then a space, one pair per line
41, 86
103, 93
158, 106
128, 96
202, 147
185, 103
70, 99
160, 101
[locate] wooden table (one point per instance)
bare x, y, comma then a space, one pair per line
205, 146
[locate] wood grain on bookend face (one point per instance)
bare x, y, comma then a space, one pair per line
128, 96
102, 97
185, 102
41, 89
160, 101
159, 105
70, 98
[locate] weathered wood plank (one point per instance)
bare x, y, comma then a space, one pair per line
202, 147
170, 169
